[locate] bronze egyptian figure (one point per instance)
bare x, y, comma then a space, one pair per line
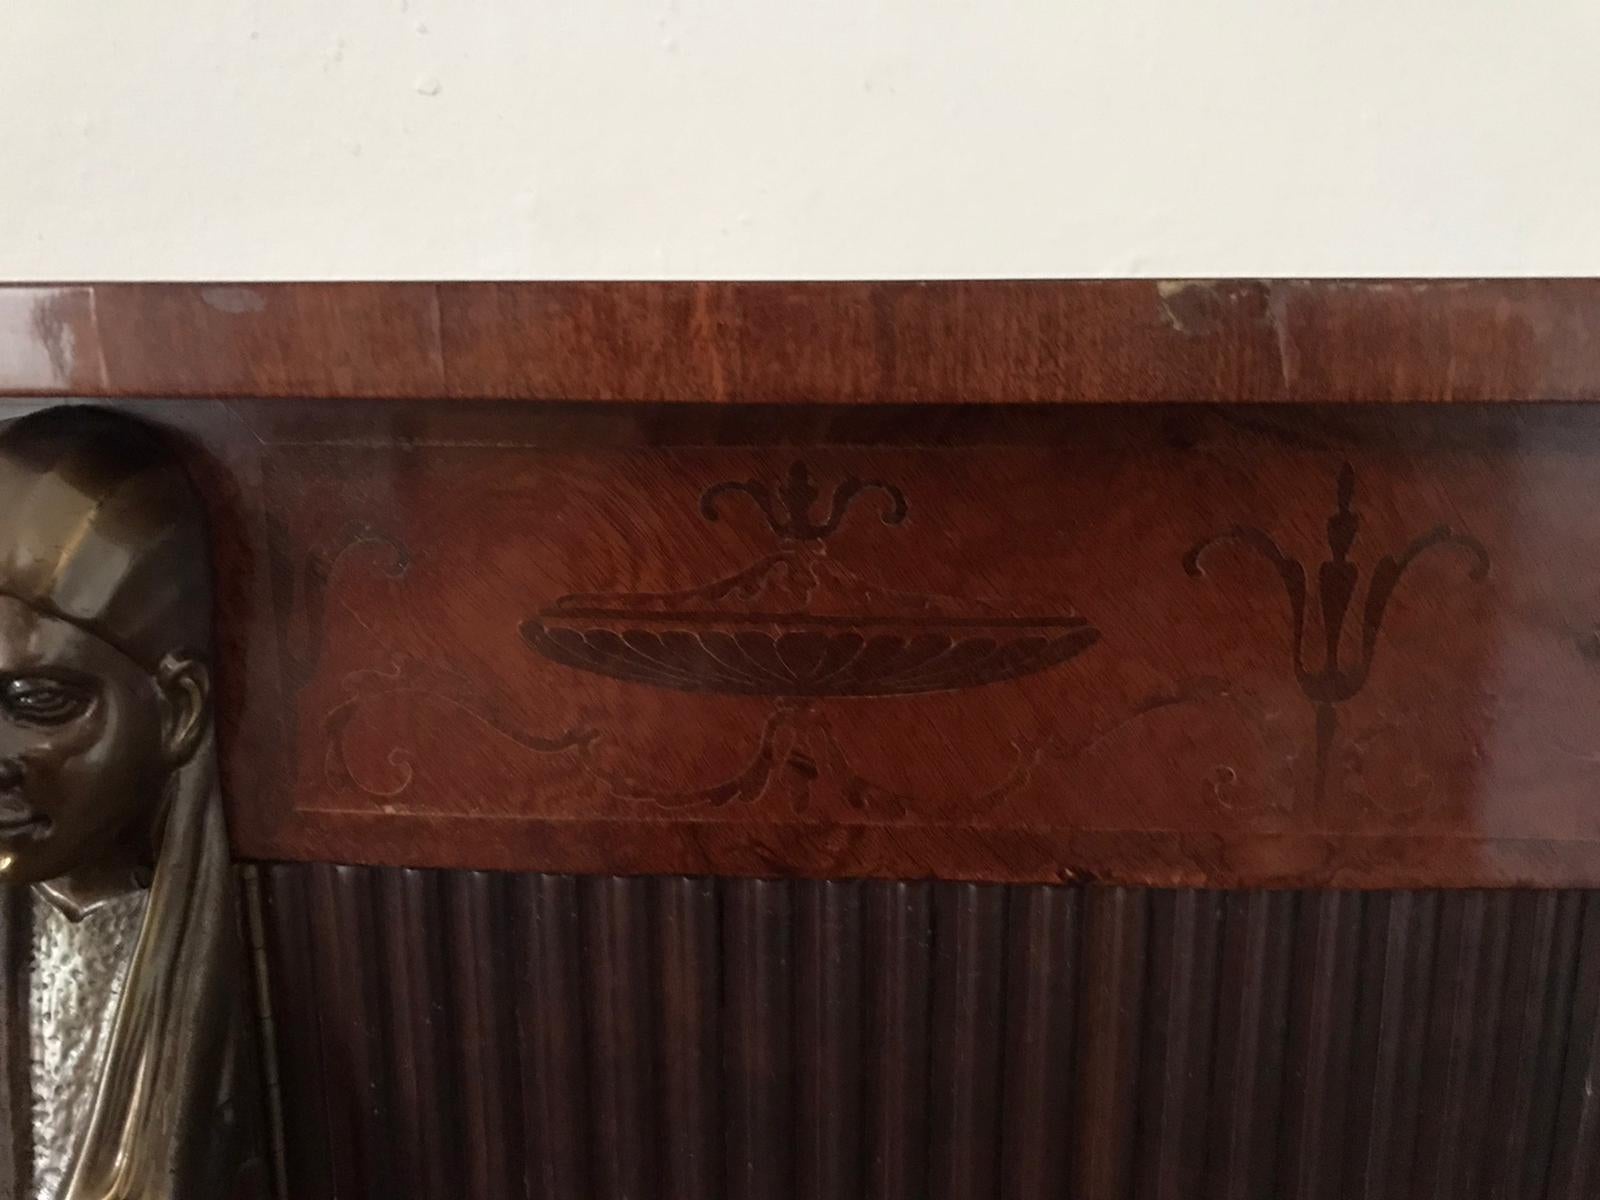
137, 1052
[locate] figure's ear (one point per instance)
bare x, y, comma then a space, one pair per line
185, 686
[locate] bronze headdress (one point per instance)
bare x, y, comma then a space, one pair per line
103, 528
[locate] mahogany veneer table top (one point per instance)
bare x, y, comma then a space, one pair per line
1004, 342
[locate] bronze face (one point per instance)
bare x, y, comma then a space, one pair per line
104, 608
87, 740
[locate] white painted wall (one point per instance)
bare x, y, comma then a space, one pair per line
829, 138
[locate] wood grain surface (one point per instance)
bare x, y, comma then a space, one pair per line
1103, 342
1178, 646
1019, 582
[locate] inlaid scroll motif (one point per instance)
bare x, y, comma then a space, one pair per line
1336, 680
300, 587
388, 769
799, 628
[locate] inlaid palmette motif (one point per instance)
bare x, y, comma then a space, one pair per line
1339, 678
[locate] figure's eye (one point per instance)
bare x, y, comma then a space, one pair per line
43, 701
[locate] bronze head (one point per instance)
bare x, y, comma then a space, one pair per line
108, 785
105, 621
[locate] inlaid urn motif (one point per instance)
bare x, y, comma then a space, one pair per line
800, 628
797, 624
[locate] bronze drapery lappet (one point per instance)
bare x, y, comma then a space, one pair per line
109, 804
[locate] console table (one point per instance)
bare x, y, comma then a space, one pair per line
1111, 740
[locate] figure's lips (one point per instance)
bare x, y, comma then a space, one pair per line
18, 821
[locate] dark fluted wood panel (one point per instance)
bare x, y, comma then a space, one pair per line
618, 1006
415, 948
15, 1085
1181, 991
899, 985
968, 994
686, 917
487, 1036
1247, 1076
758, 1014
828, 1020
549, 1001
1112, 954
1040, 1002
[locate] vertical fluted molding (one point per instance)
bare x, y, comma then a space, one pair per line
480, 980
353, 997
758, 1047
548, 954
1538, 1003
829, 1047
1180, 1020
1042, 933
1390, 1038
543, 1037
16, 1076
427, 1136
1323, 1006
968, 1008
1469, 978
688, 941
298, 1007
899, 1011
624, 1136
1575, 1165
1107, 1049
1244, 1135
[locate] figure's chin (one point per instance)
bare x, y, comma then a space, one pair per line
18, 868
29, 860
